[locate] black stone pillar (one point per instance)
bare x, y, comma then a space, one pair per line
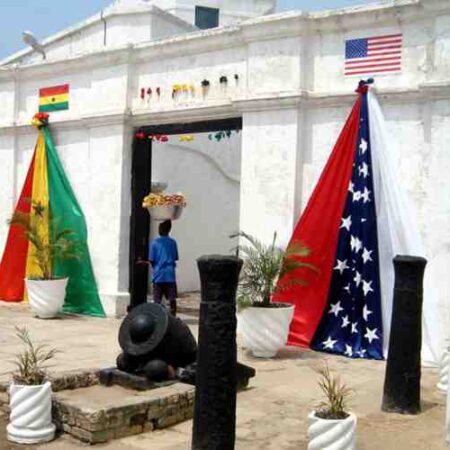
402, 380
216, 378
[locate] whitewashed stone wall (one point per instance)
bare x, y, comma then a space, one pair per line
269, 173
293, 99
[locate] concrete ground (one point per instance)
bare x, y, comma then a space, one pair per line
271, 414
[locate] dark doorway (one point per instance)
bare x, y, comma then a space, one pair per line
140, 185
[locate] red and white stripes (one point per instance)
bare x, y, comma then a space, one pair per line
384, 55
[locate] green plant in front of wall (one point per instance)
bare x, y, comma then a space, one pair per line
31, 363
336, 394
48, 247
30, 393
265, 267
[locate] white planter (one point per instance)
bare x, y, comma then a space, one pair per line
30, 419
444, 368
443, 373
265, 330
46, 297
324, 434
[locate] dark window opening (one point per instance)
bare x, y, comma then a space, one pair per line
206, 17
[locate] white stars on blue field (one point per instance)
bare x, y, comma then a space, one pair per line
352, 323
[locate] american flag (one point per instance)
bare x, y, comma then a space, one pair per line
379, 54
351, 324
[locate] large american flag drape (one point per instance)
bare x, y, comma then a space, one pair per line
356, 220
352, 322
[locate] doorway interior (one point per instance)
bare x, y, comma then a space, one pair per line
202, 160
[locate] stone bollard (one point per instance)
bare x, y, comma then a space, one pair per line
402, 380
215, 394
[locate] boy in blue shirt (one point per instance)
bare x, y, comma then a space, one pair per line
163, 255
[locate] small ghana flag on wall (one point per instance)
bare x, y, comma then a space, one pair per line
55, 98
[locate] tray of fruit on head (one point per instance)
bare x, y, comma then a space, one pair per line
162, 205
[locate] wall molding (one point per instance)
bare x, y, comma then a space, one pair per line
233, 107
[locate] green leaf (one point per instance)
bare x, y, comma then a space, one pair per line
265, 265
31, 362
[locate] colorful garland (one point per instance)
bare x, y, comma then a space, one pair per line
40, 120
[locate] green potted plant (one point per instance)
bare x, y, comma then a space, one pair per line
30, 392
331, 425
46, 292
263, 324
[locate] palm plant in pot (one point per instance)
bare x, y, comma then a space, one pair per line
263, 324
30, 419
331, 425
47, 245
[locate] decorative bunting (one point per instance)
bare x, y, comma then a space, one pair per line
221, 135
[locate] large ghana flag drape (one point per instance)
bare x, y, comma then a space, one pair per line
47, 191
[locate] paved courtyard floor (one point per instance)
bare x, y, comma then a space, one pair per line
271, 414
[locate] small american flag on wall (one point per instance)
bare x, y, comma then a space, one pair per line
378, 54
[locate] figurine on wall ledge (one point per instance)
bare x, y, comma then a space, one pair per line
223, 80
154, 343
205, 88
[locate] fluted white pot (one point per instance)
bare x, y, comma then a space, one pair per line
30, 419
325, 434
443, 373
46, 297
265, 330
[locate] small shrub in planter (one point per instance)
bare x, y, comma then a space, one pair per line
331, 425
264, 325
48, 244
30, 393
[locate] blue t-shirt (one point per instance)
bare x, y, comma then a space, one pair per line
163, 256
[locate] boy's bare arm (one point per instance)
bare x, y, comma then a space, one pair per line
144, 261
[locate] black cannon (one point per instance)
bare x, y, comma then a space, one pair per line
154, 345
157, 347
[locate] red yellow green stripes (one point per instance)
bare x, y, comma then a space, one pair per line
54, 98
47, 192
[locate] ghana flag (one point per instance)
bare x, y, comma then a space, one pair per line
47, 193
54, 98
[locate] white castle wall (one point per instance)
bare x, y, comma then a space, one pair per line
291, 95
